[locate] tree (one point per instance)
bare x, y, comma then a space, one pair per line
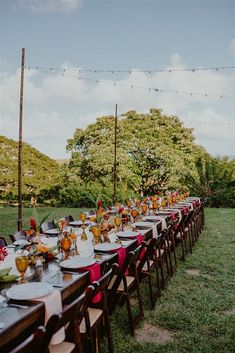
154, 152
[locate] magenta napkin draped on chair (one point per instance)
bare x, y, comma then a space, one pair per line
121, 255
95, 275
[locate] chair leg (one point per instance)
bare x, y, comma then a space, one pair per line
158, 278
183, 250
190, 239
108, 332
174, 254
128, 304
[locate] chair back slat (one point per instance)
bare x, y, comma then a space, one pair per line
3, 241
147, 254
76, 310
47, 225
33, 343
21, 234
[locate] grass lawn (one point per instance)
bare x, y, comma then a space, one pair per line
198, 308
195, 307
8, 216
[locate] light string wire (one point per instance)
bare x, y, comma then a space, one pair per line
130, 71
64, 72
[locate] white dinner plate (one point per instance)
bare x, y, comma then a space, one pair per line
143, 224
55, 231
152, 218
21, 242
77, 262
127, 234
28, 291
77, 223
107, 246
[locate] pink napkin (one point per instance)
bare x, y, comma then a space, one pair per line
139, 238
186, 209
95, 274
121, 255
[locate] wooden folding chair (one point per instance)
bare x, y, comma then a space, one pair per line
71, 317
3, 241
21, 234
120, 289
47, 226
38, 342
147, 265
94, 311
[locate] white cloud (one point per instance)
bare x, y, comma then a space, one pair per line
232, 46
55, 105
48, 5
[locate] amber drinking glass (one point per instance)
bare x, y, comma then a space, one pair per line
118, 222
22, 263
83, 219
66, 245
134, 213
144, 209
96, 233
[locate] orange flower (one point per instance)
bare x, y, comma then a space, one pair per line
42, 248
73, 236
61, 224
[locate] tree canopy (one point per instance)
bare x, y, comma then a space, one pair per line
39, 172
155, 151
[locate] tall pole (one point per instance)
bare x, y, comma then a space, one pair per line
19, 222
115, 158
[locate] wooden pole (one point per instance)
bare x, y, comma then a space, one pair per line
19, 222
115, 158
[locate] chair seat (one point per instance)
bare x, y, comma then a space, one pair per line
94, 316
129, 280
179, 236
161, 252
166, 243
63, 347
145, 267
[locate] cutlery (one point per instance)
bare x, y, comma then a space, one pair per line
13, 305
58, 285
70, 272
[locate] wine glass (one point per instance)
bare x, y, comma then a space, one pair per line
83, 219
96, 233
144, 209
134, 214
118, 222
22, 263
66, 245
163, 203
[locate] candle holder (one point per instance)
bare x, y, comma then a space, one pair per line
83, 219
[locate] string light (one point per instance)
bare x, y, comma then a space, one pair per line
148, 71
115, 83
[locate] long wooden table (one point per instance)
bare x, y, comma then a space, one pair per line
19, 323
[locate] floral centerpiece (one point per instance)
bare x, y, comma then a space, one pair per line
3, 253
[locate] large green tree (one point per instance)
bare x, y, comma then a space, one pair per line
154, 152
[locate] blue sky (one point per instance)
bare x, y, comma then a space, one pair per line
118, 35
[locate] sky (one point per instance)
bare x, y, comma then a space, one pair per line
80, 39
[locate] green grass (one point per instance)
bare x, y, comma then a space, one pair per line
192, 306
9, 215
